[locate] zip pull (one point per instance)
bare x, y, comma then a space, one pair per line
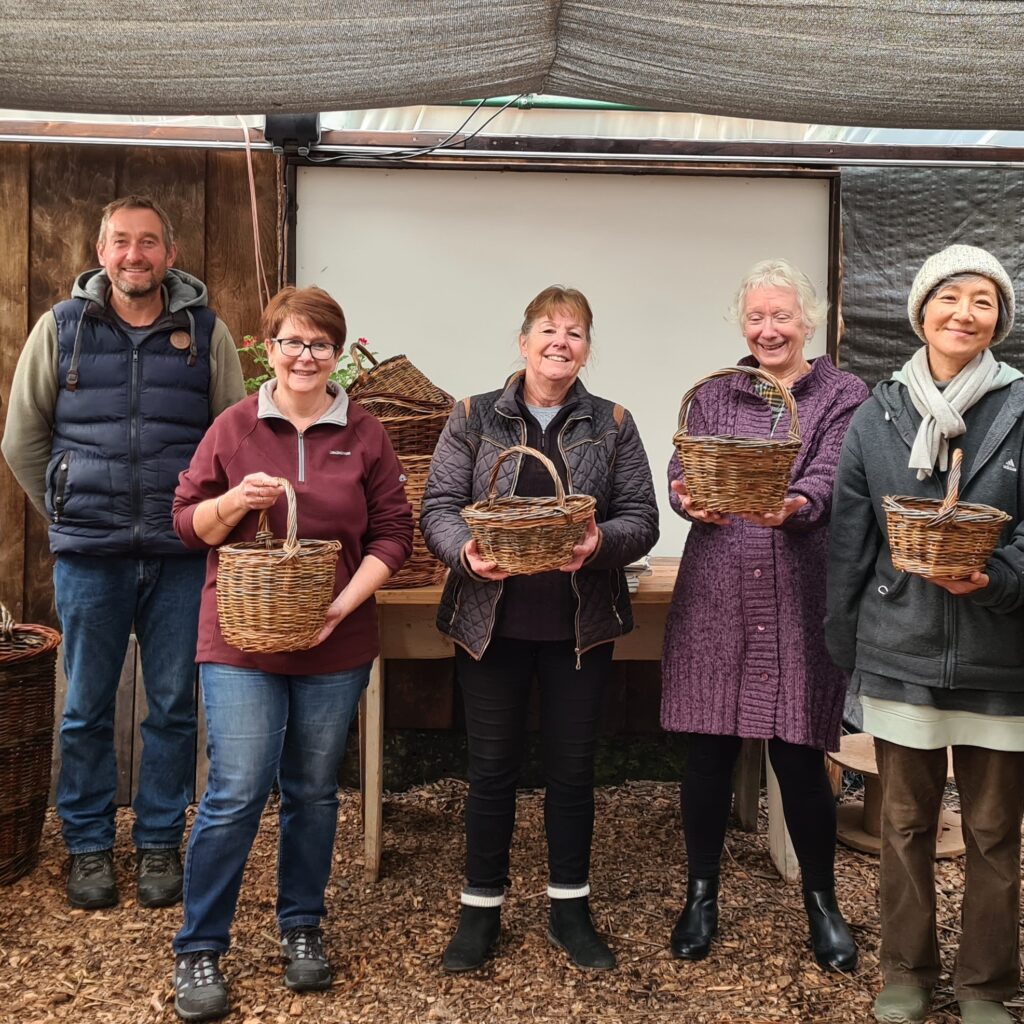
578, 656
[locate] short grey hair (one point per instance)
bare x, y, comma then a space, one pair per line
135, 202
780, 273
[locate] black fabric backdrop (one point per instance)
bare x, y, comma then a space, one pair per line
893, 220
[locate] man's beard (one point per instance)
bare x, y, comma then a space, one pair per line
137, 289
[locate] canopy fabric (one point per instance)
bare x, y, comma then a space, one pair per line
943, 64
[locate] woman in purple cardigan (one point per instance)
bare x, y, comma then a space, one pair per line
744, 650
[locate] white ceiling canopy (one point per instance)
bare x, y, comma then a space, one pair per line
941, 64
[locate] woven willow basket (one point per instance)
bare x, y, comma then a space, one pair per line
28, 662
528, 535
273, 595
393, 378
422, 569
737, 474
947, 538
413, 428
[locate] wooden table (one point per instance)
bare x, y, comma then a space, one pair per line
407, 630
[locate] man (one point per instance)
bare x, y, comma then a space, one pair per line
113, 391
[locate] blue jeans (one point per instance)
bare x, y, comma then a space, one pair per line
98, 602
261, 727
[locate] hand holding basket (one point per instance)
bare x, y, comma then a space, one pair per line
528, 535
738, 474
273, 595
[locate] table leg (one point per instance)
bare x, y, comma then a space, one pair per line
747, 784
779, 844
373, 774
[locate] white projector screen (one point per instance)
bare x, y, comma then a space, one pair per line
440, 264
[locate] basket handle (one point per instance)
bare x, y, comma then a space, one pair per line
355, 350
751, 371
947, 510
521, 449
6, 623
265, 535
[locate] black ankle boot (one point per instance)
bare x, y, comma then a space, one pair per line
698, 923
833, 945
474, 940
570, 928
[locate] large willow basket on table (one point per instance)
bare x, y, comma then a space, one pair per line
273, 595
737, 474
528, 535
394, 378
413, 427
947, 538
28, 663
422, 569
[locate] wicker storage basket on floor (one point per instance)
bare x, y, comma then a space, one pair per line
273, 595
528, 535
947, 538
737, 474
393, 378
28, 660
422, 569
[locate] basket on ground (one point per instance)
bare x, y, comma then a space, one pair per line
528, 535
28, 662
738, 474
947, 538
273, 595
393, 378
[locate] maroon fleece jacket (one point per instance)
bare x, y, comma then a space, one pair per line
348, 486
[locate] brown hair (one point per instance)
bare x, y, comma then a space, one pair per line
557, 299
311, 304
135, 203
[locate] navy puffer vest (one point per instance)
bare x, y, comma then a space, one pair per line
127, 421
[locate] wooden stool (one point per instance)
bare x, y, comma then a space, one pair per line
859, 823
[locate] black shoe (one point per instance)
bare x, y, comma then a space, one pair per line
474, 940
160, 877
571, 928
91, 882
306, 967
698, 923
199, 989
833, 945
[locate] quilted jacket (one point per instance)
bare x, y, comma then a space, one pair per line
603, 455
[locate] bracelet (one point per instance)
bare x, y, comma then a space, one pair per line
216, 512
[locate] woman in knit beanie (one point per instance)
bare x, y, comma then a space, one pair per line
939, 663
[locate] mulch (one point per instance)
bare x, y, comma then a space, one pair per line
385, 939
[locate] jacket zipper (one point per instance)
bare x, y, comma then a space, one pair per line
951, 640
575, 589
302, 458
134, 459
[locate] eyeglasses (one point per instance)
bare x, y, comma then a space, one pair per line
319, 350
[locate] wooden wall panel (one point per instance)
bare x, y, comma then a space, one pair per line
14, 251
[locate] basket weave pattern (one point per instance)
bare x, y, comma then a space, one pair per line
273, 595
947, 538
422, 569
28, 661
528, 535
737, 474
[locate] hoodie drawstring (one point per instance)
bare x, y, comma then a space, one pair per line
71, 381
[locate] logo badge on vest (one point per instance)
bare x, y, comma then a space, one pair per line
181, 340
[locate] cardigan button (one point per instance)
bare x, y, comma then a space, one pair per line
760, 627
764, 677
757, 574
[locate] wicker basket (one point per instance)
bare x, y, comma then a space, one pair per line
28, 660
394, 378
422, 569
947, 538
737, 474
413, 428
528, 535
273, 595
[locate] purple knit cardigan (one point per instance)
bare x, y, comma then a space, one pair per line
744, 642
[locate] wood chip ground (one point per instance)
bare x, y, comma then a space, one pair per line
385, 939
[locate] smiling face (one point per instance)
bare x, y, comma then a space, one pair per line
133, 252
555, 349
775, 331
300, 377
959, 322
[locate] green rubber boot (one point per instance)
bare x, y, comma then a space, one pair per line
982, 1011
902, 1004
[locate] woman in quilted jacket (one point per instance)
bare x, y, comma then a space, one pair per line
558, 626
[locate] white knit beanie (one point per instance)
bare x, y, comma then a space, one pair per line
959, 259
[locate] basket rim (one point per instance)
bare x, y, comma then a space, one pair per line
975, 514
276, 547
51, 640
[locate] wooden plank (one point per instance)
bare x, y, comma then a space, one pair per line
202, 761
373, 774
60, 692
780, 846
176, 179
747, 784
125, 735
14, 254
230, 259
139, 709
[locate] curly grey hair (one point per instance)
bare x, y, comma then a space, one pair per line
780, 273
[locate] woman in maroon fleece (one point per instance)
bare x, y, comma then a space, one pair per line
283, 717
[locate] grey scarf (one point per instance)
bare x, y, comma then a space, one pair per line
942, 411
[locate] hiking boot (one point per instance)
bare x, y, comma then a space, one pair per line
474, 940
91, 882
306, 967
160, 877
570, 927
199, 989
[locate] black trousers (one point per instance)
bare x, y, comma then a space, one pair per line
496, 692
807, 802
